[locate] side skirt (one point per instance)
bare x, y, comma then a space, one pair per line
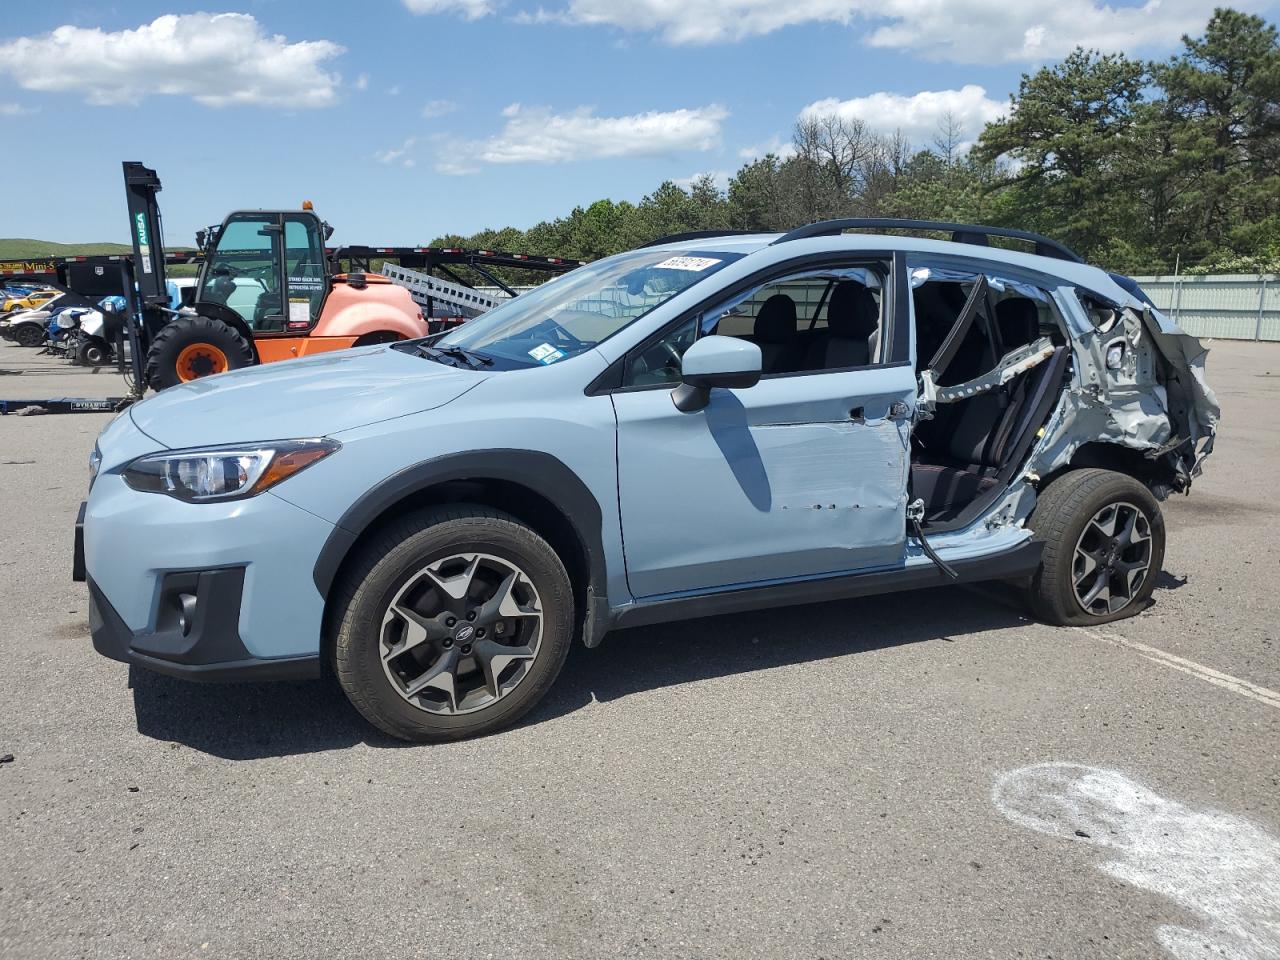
1020, 561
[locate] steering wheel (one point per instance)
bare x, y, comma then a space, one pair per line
261, 274
559, 332
671, 351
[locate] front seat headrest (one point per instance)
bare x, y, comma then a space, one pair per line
1019, 321
853, 313
776, 321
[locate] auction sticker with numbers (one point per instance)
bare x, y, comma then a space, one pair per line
686, 263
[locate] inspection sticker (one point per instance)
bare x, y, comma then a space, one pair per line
546, 353
686, 263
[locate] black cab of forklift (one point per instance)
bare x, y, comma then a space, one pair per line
253, 256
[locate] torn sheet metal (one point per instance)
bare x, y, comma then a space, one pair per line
1139, 382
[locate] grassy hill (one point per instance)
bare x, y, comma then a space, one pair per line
22, 249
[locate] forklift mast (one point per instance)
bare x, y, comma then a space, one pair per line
149, 305
141, 184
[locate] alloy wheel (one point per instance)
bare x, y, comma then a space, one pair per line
1112, 559
461, 633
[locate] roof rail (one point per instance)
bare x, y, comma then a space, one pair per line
960, 233
696, 235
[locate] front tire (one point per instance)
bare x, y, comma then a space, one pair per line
1104, 539
29, 335
451, 622
188, 348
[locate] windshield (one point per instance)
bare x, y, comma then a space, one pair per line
573, 313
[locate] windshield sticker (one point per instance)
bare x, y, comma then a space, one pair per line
546, 353
686, 263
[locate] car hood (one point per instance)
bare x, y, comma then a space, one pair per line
25, 316
309, 397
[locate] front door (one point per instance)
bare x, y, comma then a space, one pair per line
802, 475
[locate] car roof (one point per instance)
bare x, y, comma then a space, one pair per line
1091, 278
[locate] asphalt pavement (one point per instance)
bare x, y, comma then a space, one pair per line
921, 775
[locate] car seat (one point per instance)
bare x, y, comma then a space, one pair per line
775, 334
853, 317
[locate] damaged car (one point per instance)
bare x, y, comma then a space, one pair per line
710, 424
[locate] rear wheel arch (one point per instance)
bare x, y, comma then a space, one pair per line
535, 488
374, 317
1118, 458
377, 337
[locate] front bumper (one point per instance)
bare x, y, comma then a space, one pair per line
246, 563
205, 645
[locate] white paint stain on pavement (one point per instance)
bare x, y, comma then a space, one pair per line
1214, 865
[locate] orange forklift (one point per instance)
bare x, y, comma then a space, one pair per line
269, 290
264, 293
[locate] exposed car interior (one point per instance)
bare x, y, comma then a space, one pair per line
969, 449
807, 323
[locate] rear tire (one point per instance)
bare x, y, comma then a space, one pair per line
1104, 539
451, 622
189, 348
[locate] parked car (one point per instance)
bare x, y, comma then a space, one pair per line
27, 327
91, 346
27, 300
755, 421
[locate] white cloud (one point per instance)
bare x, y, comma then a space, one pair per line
966, 31
219, 60
10, 109
397, 154
719, 177
536, 135
362, 82
780, 148
438, 108
919, 115
974, 31
469, 9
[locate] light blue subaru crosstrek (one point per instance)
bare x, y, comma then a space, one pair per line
709, 424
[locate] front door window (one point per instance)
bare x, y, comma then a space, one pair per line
244, 272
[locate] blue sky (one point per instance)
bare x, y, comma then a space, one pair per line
406, 119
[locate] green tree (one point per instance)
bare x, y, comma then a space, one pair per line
1065, 134
1221, 119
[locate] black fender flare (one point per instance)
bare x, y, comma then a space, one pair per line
539, 472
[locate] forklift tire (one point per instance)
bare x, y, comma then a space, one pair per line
189, 348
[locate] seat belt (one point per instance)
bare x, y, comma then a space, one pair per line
915, 514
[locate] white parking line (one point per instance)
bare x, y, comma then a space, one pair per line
1224, 680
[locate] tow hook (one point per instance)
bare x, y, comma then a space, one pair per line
915, 514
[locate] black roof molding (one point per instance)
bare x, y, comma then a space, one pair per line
960, 233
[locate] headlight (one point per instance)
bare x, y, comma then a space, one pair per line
95, 461
225, 473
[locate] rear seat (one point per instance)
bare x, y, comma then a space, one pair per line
981, 435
